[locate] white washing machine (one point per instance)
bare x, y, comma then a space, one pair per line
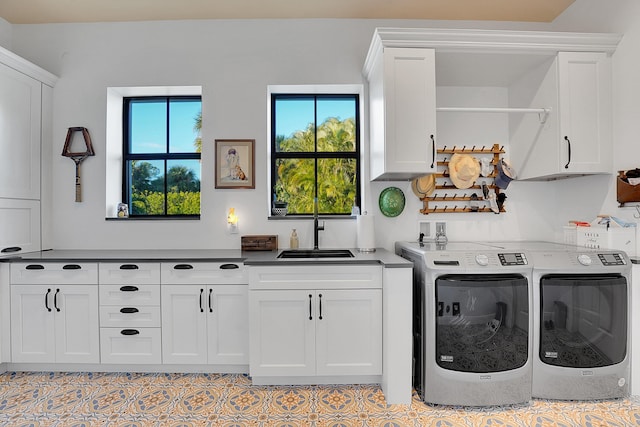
471, 323
581, 300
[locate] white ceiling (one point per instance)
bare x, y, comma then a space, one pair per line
57, 11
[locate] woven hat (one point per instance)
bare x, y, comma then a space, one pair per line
463, 170
423, 185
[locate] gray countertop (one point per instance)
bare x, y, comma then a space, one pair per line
380, 256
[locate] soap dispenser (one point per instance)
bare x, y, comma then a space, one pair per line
293, 241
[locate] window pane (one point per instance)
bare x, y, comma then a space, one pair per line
183, 187
295, 184
184, 126
336, 185
148, 126
147, 187
294, 125
336, 125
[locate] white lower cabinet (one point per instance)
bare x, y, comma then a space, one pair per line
299, 328
319, 332
205, 313
130, 313
205, 324
54, 322
282, 333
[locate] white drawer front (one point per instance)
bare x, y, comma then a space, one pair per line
130, 345
129, 295
51, 273
130, 316
204, 273
136, 273
315, 277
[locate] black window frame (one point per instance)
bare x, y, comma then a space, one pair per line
127, 156
316, 155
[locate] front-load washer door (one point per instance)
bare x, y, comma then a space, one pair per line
482, 322
583, 320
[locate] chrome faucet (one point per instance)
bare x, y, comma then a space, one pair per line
316, 227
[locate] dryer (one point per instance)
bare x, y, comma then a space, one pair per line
472, 323
581, 336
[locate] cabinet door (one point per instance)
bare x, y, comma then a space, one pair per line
584, 90
20, 112
228, 324
19, 225
76, 323
32, 323
282, 333
349, 332
184, 323
409, 99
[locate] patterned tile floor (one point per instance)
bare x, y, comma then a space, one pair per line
185, 400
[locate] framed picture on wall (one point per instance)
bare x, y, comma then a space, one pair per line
235, 163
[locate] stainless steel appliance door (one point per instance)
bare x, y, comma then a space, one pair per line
583, 320
482, 322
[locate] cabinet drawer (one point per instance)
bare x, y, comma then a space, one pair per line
52, 273
130, 345
315, 277
128, 295
130, 316
134, 273
204, 273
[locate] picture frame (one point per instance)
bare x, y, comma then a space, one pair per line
235, 163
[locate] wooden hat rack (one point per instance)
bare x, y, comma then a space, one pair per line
447, 198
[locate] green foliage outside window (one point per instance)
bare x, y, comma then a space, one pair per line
147, 197
150, 192
336, 165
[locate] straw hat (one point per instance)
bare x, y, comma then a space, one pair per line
424, 185
463, 170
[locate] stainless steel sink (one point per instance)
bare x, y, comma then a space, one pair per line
316, 253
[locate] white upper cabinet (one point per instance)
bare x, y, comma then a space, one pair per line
547, 95
402, 99
20, 99
576, 138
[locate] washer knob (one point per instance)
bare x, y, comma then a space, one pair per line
482, 259
584, 259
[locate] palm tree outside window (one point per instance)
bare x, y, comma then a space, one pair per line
315, 152
162, 145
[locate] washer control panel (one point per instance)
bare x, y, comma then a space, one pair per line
515, 258
612, 259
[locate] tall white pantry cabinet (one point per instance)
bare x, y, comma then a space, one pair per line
25, 144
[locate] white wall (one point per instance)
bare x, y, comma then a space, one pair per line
234, 61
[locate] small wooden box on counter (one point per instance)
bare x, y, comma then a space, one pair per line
259, 243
